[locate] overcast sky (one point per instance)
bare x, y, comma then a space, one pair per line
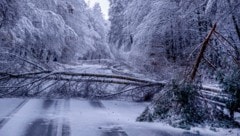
104, 6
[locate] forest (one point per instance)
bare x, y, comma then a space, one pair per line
152, 67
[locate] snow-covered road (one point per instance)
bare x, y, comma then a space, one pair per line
78, 117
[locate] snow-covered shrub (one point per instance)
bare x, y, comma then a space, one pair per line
146, 116
231, 85
178, 105
181, 105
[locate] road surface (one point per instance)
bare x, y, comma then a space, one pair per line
77, 117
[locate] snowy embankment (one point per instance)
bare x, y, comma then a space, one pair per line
80, 117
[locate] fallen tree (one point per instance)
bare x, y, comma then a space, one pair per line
12, 83
185, 103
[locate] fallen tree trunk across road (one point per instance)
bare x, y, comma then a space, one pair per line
33, 79
80, 77
12, 83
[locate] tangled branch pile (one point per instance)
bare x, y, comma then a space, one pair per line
182, 105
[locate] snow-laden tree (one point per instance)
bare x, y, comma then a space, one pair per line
140, 40
163, 37
100, 30
117, 24
158, 35
52, 30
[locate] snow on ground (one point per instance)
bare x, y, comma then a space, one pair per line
81, 117
90, 68
9, 106
101, 66
108, 66
21, 119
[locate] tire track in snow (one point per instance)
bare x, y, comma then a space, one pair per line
66, 130
45, 126
96, 104
114, 131
42, 127
8, 117
47, 103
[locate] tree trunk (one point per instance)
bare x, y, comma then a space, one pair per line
201, 54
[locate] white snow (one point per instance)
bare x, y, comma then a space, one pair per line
8, 105
20, 120
89, 118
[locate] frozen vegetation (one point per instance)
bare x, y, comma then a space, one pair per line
68, 71
160, 36
53, 30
